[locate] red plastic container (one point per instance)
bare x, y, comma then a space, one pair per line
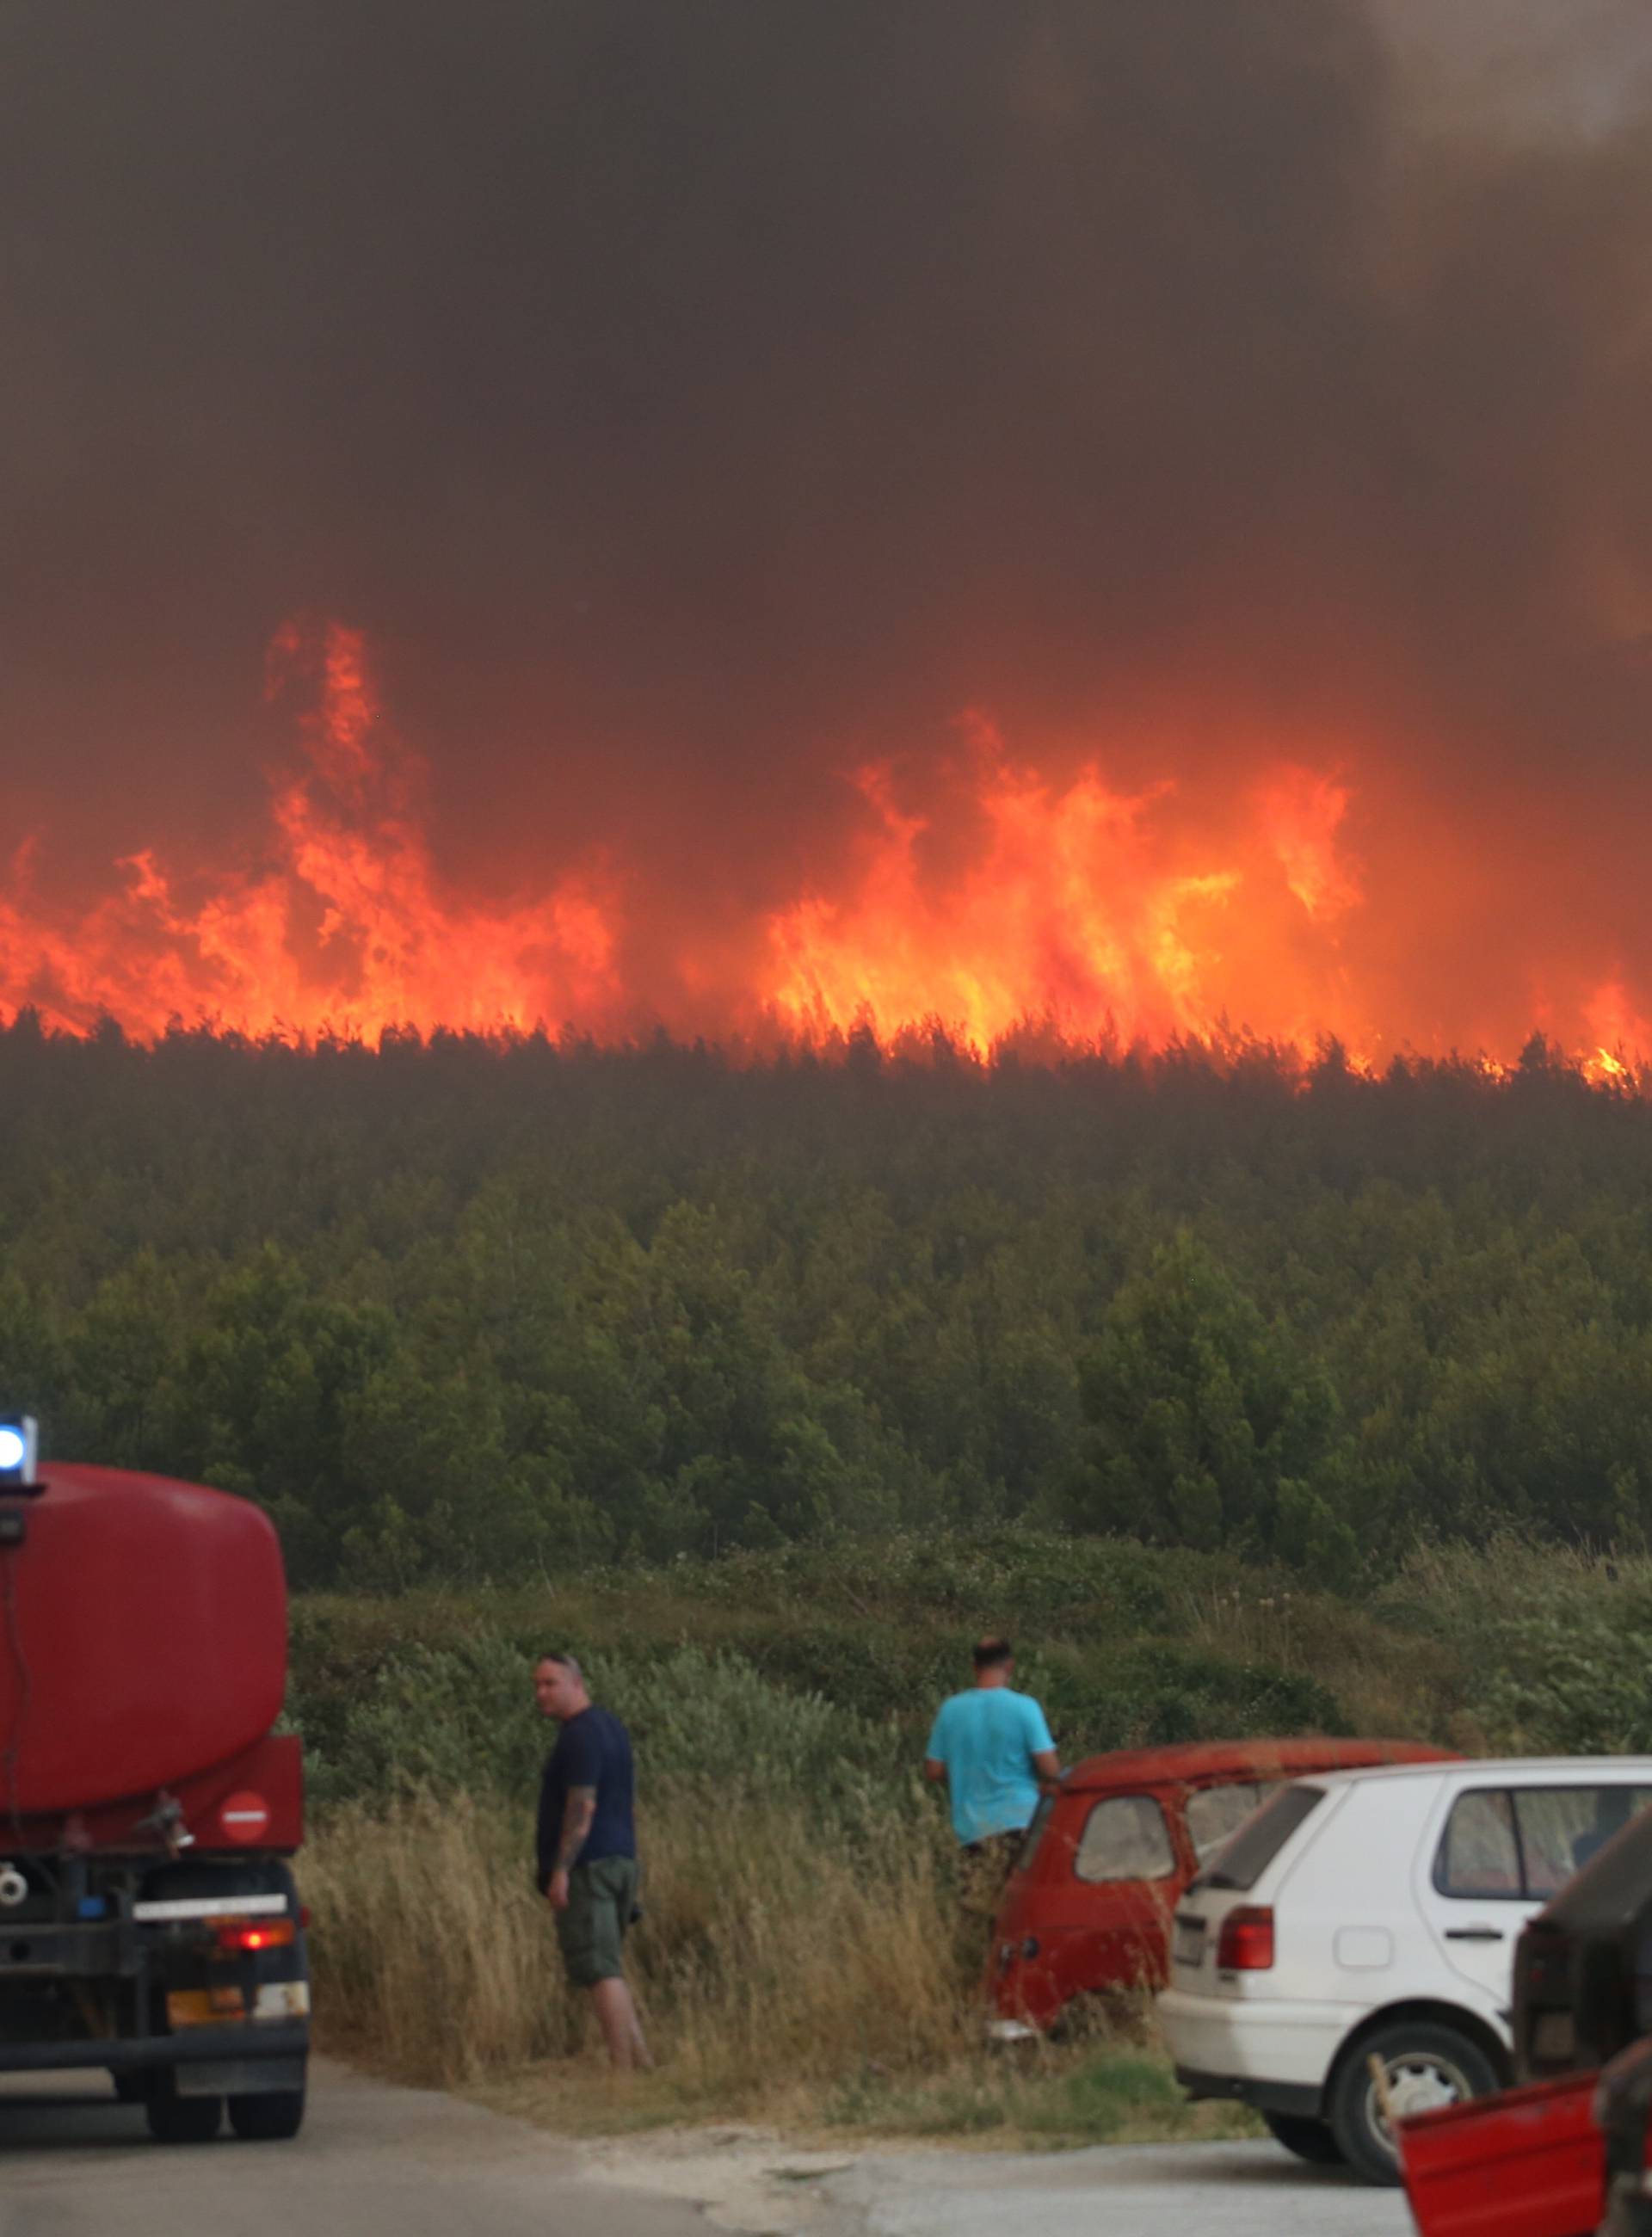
1529, 2163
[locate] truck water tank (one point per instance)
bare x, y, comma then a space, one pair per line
142, 1637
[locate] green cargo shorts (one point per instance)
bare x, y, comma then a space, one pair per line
592, 1932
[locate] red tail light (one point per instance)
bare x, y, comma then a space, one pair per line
237, 1936
1247, 1942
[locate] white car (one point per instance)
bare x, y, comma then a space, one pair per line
1376, 1911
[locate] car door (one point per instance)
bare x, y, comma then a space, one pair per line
1127, 1859
1498, 1854
1471, 1888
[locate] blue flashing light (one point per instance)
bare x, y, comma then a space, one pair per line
19, 1443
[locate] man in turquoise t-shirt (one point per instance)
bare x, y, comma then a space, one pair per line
992, 1748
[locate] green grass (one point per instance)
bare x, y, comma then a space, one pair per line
1049, 2098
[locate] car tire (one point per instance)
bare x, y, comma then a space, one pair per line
267, 2117
1428, 2065
1310, 2140
182, 2119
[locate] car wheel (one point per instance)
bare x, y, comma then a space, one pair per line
183, 2120
1428, 2066
267, 2117
1309, 2139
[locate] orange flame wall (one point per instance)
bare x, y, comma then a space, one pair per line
1005, 903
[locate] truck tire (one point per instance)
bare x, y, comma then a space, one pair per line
1310, 2138
1428, 2065
176, 2119
267, 2117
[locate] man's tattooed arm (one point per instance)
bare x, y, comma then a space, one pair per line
577, 1814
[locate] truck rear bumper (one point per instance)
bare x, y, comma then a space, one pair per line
193, 2047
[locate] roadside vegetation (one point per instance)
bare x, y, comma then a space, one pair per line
1250, 1395
801, 1958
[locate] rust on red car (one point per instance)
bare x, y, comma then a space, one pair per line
1087, 1906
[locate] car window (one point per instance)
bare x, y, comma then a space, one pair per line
1479, 1853
1562, 1827
1240, 1862
1215, 1812
1125, 1838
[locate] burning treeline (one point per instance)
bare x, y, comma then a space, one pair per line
1076, 520
1009, 907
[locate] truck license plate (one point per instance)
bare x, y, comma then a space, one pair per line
1190, 1941
187, 2008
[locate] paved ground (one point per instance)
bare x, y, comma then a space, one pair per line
371, 2162
375, 2161
1150, 2190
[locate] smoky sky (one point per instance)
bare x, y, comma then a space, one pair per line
691, 397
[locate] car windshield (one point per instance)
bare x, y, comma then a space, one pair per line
1244, 1859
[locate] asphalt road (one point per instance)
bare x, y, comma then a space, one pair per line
371, 2162
377, 2162
1145, 2190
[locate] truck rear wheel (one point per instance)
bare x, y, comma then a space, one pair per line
267, 2117
176, 2119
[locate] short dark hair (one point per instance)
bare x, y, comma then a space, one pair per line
992, 1653
568, 1662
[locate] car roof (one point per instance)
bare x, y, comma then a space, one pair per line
1190, 1762
1481, 1767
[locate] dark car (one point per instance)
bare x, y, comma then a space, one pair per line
1583, 2000
1548, 2158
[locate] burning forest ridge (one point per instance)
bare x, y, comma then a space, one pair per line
1009, 906
1082, 523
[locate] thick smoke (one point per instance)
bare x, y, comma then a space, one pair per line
693, 401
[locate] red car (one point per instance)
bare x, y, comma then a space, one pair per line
1106, 1858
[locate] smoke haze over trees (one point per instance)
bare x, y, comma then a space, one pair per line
694, 403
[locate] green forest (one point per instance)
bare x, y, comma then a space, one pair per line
460, 1310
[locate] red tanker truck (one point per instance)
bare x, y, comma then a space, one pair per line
148, 1922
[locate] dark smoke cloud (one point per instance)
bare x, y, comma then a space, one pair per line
691, 397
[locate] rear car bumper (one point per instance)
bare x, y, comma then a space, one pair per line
1240, 2045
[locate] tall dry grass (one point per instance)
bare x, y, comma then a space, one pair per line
773, 1957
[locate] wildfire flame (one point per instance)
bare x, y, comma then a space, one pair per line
1087, 910
1002, 904
344, 927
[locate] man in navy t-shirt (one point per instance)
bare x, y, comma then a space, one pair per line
587, 1849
